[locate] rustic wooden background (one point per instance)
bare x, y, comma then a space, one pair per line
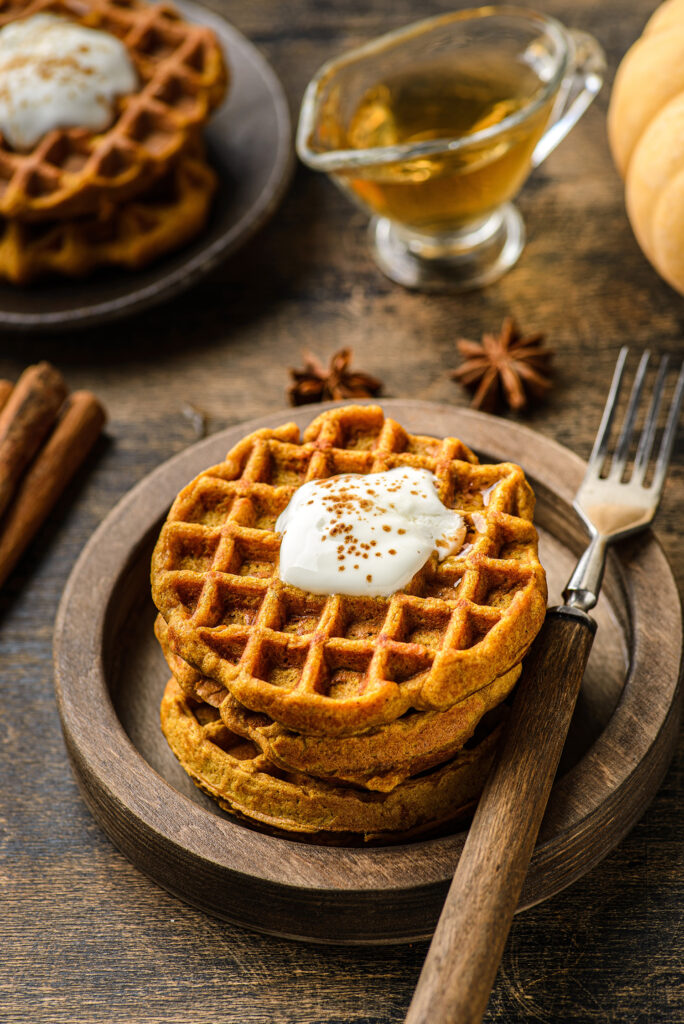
84, 936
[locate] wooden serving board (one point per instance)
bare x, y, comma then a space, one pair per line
110, 674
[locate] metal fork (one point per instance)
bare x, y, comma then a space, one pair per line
466, 948
610, 508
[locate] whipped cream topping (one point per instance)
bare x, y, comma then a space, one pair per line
365, 534
55, 73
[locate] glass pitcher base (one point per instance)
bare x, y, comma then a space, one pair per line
449, 263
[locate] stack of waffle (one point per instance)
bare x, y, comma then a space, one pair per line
123, 196
314, 713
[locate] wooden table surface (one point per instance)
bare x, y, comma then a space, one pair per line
84, 936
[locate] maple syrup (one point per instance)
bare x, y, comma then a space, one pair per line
438, 191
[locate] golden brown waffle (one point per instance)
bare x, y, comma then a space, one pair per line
234, 772
130, 235
182, 78
378, 760
189, 679
342, 665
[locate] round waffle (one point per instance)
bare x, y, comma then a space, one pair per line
182, 78
379, 759
130, 235
236, 774
341, 665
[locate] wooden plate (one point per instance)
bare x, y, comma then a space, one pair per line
110, 675
250, 145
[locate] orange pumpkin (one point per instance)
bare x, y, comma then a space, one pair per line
646, 134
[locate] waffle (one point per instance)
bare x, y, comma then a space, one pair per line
338, 665
182, 78
189, 679
236, 774
377, 760
130, 235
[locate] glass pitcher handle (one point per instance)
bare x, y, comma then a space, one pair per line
578, 90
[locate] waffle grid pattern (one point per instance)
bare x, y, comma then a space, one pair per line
129, 235
182, 78
338, 665
236, 774
379, 759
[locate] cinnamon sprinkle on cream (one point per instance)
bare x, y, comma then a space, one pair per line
330, 525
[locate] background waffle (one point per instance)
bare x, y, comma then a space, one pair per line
379, 759
182, 78
234, 772
341, 665
129, 235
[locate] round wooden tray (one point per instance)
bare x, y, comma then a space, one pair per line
249, 141
110, 675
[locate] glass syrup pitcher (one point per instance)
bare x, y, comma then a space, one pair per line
434, 129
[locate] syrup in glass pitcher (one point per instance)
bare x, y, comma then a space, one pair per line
434, 129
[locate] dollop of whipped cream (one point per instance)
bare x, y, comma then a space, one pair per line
54, 73
365, 534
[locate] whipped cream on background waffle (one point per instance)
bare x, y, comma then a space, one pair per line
365, 534
55, 73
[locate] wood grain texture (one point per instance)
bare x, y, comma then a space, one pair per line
457, 976
354, 895
82, 931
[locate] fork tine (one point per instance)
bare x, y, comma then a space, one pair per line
651, 423
667, 443
620, 457
598, 452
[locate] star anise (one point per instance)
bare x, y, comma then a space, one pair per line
315, 383
505, 368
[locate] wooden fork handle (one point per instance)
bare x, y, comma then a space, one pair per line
464, 955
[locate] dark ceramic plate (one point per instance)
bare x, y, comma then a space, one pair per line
250, 145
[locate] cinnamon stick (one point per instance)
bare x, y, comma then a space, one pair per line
5, 391
29, 413
80, 422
